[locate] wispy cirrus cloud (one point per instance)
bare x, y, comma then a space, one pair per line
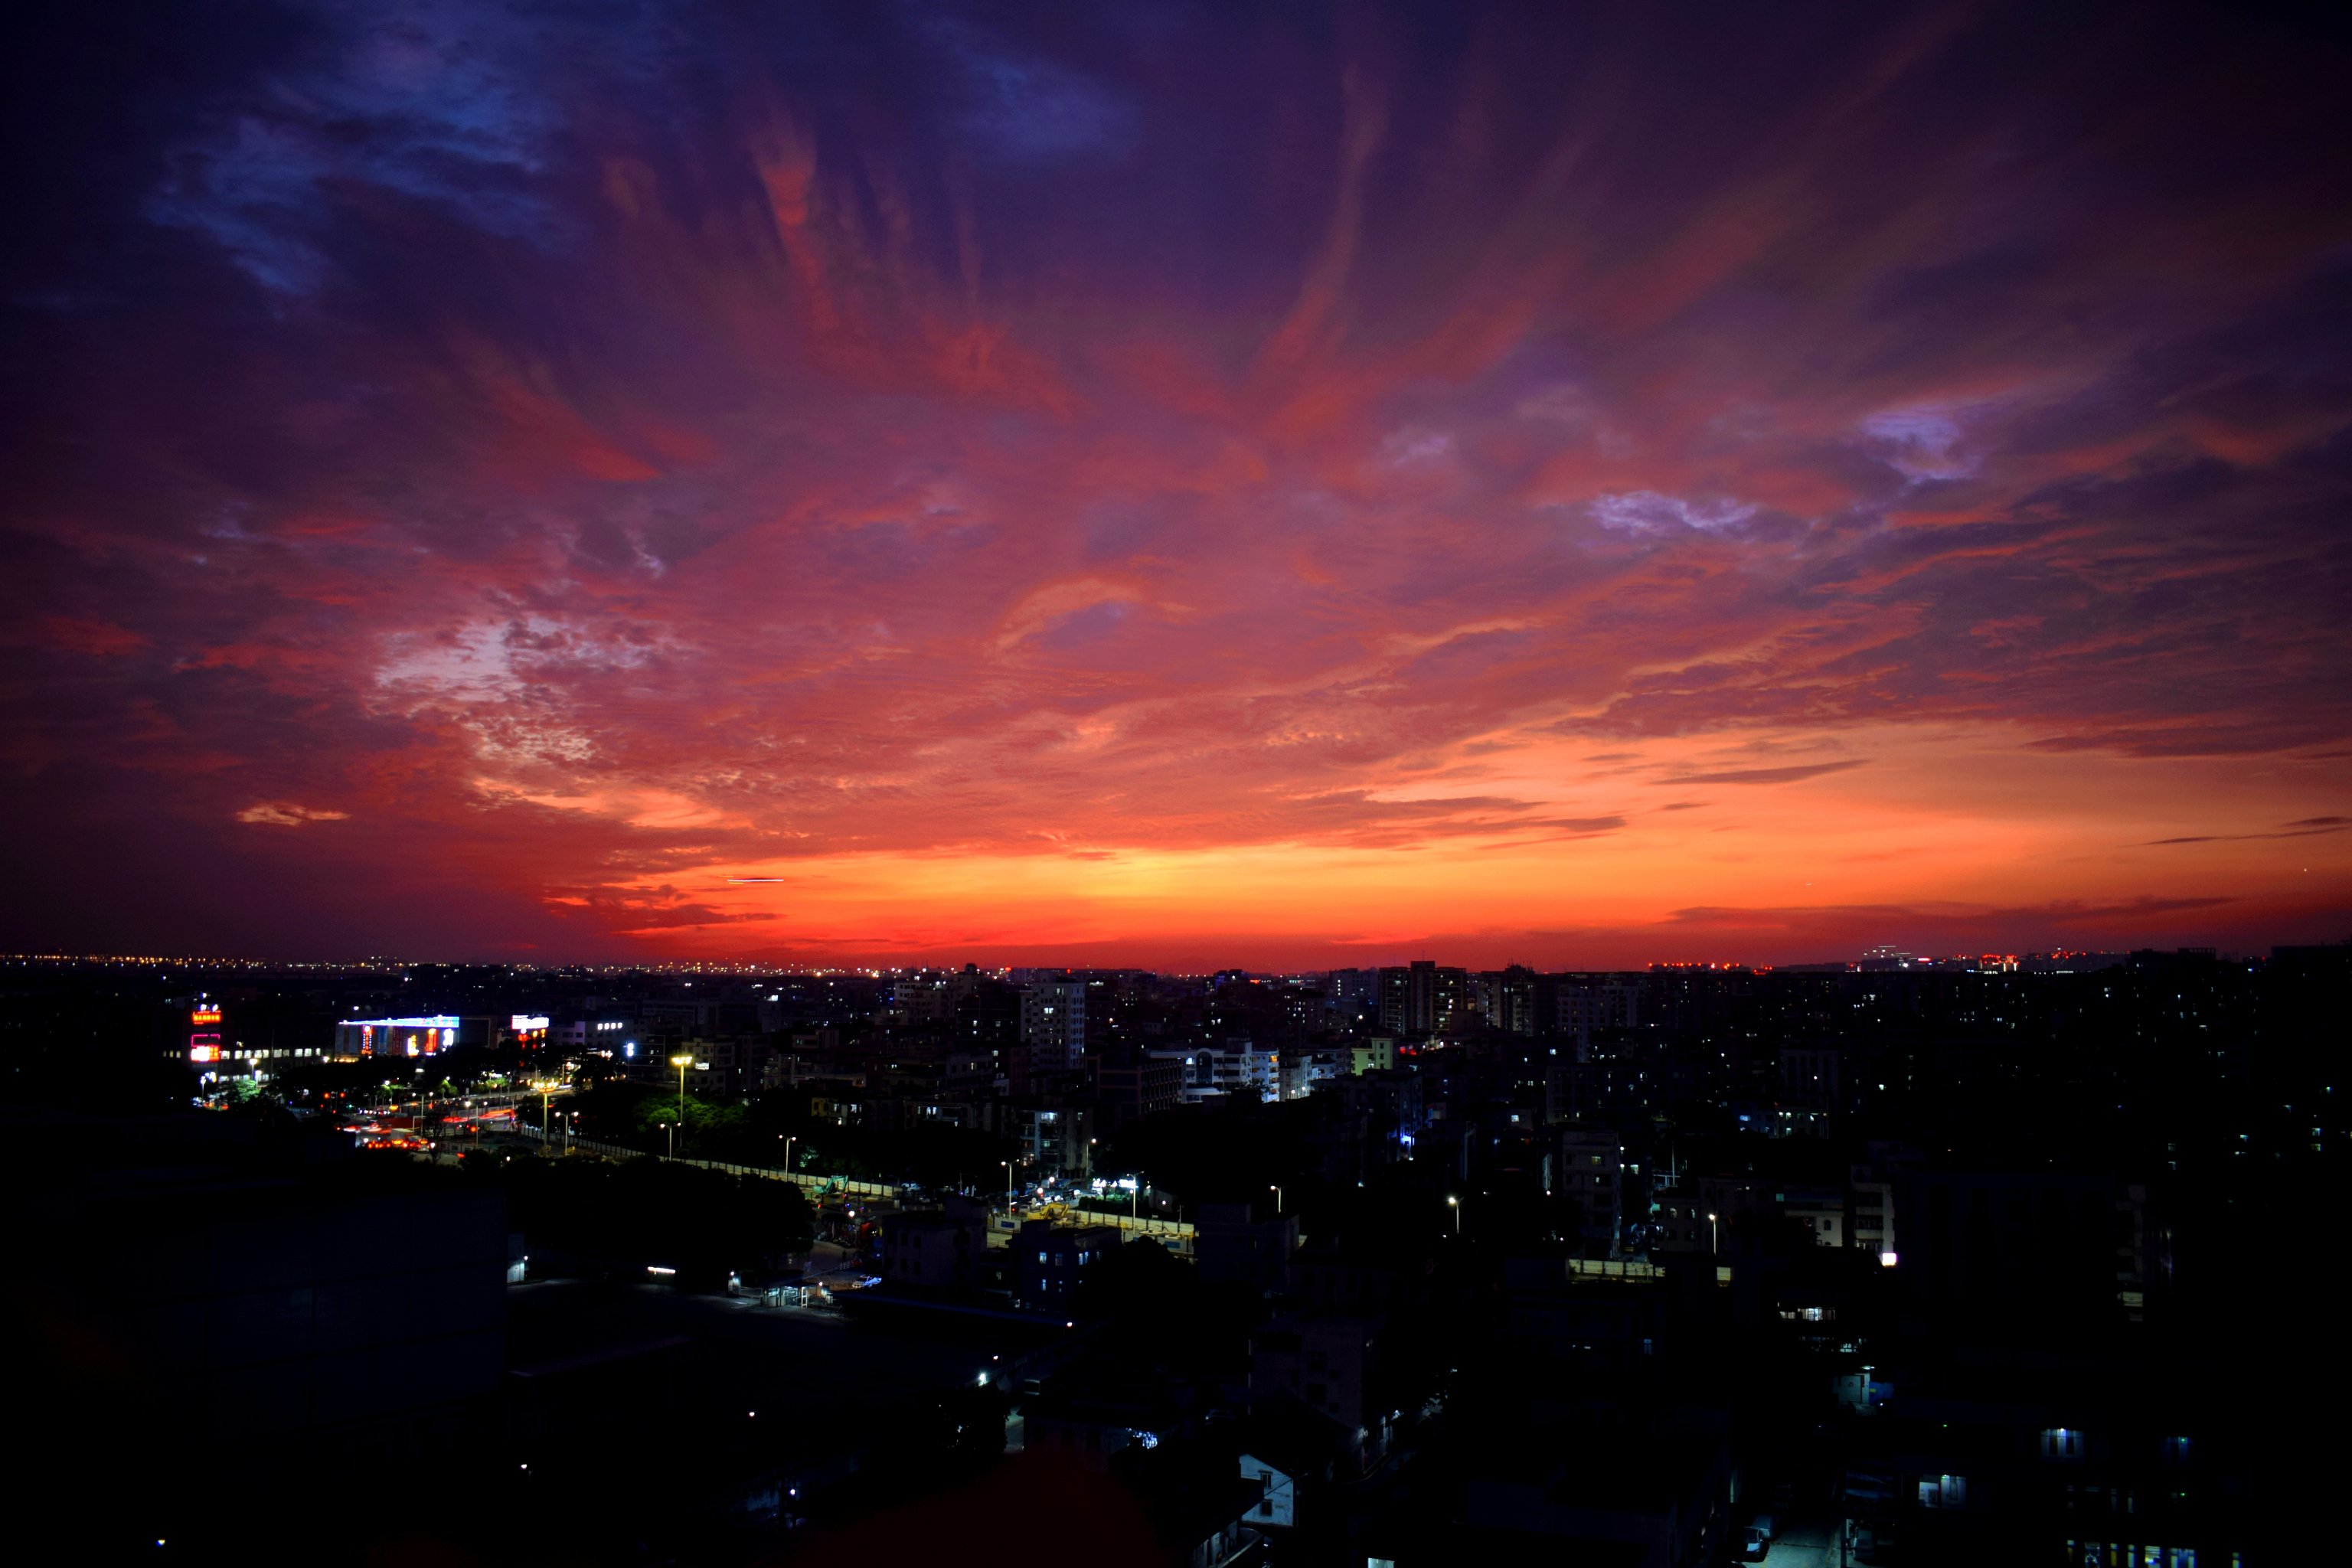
2307, 827
1768, 775
287, 813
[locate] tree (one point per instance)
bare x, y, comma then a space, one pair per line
704, 1224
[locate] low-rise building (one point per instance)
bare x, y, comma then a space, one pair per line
1090, 1411
1592, 1175
1234, 1066
1326, 1363
1327, 1276
931, 1249
1135, 1086
1055, 1140
1871, 1216
1819, 1211
1049, 1260
1231, 1245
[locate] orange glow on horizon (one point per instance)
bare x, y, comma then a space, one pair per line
1952, 831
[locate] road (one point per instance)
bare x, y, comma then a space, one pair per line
1804, 1545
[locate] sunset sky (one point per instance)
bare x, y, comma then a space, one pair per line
1176, 485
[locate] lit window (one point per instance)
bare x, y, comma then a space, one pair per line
2062, 1443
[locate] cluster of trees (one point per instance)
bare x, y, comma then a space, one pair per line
378, 1081
755, 1133
1227, 1154
626, 1215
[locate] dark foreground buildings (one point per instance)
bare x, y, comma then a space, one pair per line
1903, 1262
220, 1332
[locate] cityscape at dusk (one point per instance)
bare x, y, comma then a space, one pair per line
1366, 783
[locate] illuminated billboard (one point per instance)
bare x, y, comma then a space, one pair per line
528, 1023
205, 1041
396, 1036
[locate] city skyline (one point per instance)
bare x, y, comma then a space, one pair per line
1168, 488
1880, 959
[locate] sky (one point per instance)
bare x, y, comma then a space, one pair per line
1175, 485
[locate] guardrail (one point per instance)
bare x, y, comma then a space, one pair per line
1139, 1226
855, 1189
1631, 1268
1145, 1224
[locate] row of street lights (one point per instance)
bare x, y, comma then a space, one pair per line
547, 1088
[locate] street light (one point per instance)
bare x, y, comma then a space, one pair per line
1714, 1243
671, 1127
420, 1112
1455, 1205
681, 1064
1008, 1186
1276, 1191
788, 1153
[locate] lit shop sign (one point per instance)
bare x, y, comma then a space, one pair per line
400, 1037
203, 1053
204, 1016
528, 1023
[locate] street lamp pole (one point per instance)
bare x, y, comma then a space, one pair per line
1276, 1191
1008, 1186
681, 1064
1713, 1240
1455, 1205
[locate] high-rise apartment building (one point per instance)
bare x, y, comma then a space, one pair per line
1054, 1025
1509, 999
1354, 996
1588, 1005
988, 1018
1423, 998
